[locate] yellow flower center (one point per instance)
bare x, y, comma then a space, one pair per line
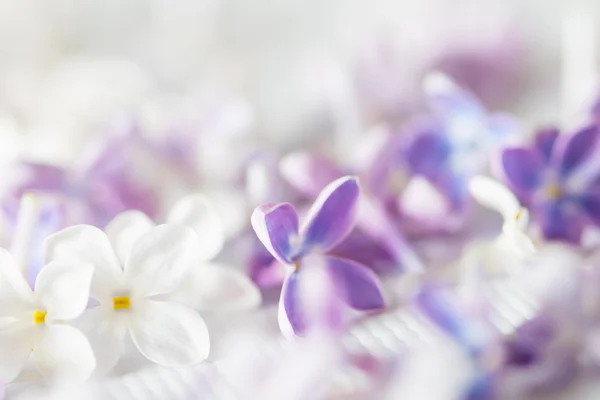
553, 191
39, 317
121, 303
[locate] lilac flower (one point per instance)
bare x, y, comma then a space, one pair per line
329, 221
457, 143
558, 180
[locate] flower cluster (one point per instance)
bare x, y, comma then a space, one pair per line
384, 267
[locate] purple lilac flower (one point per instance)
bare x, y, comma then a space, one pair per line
558, 179
329, 221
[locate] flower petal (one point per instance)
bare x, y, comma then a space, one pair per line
308, 173
170, 334
494, 195
220, 288
63, 289
575, 149
106, 332
560, 223
544, 141
356, 285
332, 216
276, 226
15, 294
197, 212
161, 259
590, 202
428, 153
522, 168
125, 229
291, 319
15, 347
449, 100
63, 353
85, 244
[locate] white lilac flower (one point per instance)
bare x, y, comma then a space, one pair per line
32, 323
129, 278
209, 285
494, 195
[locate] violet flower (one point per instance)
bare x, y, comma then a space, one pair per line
329, 221
557, 178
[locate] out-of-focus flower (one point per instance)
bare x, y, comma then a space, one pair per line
128, 277
557, 179
458, 142
209, 286
34, 322
329, 221
496, 196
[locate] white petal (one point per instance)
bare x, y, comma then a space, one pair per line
492, 194
125, 229
63, 353
64, 290
220, 288
170, 334
15, 294
161, 259
15, 348
85, 244
106, 334
197, 212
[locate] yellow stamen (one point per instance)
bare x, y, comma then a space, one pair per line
39, 317
553, 191
519, 214
121, 303
296, 266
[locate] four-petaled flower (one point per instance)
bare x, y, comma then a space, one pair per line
558, 180
329, 221
131, 280
33, 322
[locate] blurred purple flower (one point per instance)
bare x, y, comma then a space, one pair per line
329, 221
558, 179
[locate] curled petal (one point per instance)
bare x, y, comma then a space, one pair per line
576, 149
161, 259
63, 353
290, 317
308, 173
15, 347
522, 168
63, 289
277, 228
15, 294
170, 334
82, 245
220, 288
125, 229
355, 284
197, 212
494, 195
332, 216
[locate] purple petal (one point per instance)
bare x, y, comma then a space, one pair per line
449, 101
308, 173
276, 225
559, 221
575, 149
544, 141
356, 285
590, 203
428, 153
332, 216
522, 168
291, 319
